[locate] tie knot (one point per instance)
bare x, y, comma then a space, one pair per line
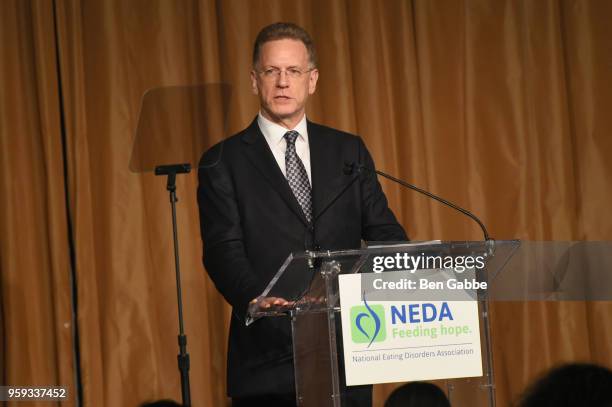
291, 136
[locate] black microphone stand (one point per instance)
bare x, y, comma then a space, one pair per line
360, 167
183, 357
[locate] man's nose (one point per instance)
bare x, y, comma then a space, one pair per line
283, 79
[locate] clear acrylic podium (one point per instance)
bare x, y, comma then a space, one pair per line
514, 271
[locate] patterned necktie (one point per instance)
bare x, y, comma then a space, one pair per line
297, 176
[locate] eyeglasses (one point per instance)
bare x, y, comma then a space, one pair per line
274, 73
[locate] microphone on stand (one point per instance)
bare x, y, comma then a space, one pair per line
350, 167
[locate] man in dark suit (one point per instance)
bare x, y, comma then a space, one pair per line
277, 187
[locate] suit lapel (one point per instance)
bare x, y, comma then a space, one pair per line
259, 154
328, 179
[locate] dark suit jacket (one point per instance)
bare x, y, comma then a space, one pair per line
250, 222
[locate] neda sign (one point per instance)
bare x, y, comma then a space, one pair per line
396, 341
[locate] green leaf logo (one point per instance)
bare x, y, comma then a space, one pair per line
368, 323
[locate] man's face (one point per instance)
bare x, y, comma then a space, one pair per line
283, 97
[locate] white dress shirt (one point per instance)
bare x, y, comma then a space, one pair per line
274, 135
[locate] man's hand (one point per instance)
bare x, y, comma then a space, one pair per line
268, 302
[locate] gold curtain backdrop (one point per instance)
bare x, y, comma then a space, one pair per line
500, 106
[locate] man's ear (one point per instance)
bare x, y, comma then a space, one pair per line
254, 87
312, 81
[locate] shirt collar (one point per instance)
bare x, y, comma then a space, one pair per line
274, 133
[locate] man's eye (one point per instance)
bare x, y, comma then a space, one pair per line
294, 72
270, 71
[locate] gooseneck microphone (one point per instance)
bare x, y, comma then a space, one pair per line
349, 167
